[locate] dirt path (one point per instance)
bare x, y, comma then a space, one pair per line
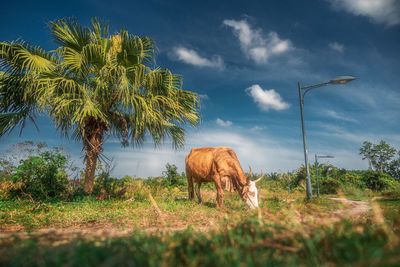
356, 209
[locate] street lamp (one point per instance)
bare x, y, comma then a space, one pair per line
337, 80
316, 168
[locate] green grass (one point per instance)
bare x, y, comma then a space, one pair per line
285, 231
249, 242
30, 216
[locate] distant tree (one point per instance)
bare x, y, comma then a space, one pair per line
394, 167
94, 85
22, 150
367, 151
15, 153
378, 155
171, 173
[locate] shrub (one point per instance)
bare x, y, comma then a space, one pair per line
275, 185
7, 187
329, 186
352, 179
106, 186
42, 177
136, 188
375, 180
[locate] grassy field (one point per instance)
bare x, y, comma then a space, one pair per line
169, 210
166, 229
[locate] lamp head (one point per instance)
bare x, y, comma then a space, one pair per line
326, 157
342, 79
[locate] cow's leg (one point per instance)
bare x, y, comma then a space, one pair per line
198, 191
220, 194
190, 186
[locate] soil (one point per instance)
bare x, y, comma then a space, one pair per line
355, 209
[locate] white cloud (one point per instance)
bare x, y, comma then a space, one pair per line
337, 47
204, 96
257, 128
190, 56
223, 123
338, 116
380, 11
266, 99
254, 44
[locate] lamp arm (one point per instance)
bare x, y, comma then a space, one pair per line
309, 88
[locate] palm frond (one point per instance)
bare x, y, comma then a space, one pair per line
20, 56
10, 120
70, 34
100, 29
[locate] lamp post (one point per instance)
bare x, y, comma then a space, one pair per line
337, 80
316, 168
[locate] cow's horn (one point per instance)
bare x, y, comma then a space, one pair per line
259, 179
251, 172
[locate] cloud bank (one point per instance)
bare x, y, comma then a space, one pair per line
260, 151
190, 56
256, 45
379, 11
266, 99
257, 151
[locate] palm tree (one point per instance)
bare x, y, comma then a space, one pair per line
93, 86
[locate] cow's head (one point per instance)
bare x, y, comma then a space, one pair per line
251, 196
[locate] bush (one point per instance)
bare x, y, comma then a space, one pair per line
377, 181
136, 188
106, 186
41, 177
352, 179
7, 187
329, 186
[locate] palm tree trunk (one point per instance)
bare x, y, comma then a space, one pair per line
93, 145
91, 162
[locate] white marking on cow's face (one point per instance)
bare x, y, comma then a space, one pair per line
252, 196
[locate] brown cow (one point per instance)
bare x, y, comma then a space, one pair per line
221, 166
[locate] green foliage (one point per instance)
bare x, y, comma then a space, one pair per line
394, 168
8, 188
329, 186
42, 177
352, 179
106, 186
172, 176
375, 180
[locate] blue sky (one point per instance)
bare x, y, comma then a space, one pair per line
245, 58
